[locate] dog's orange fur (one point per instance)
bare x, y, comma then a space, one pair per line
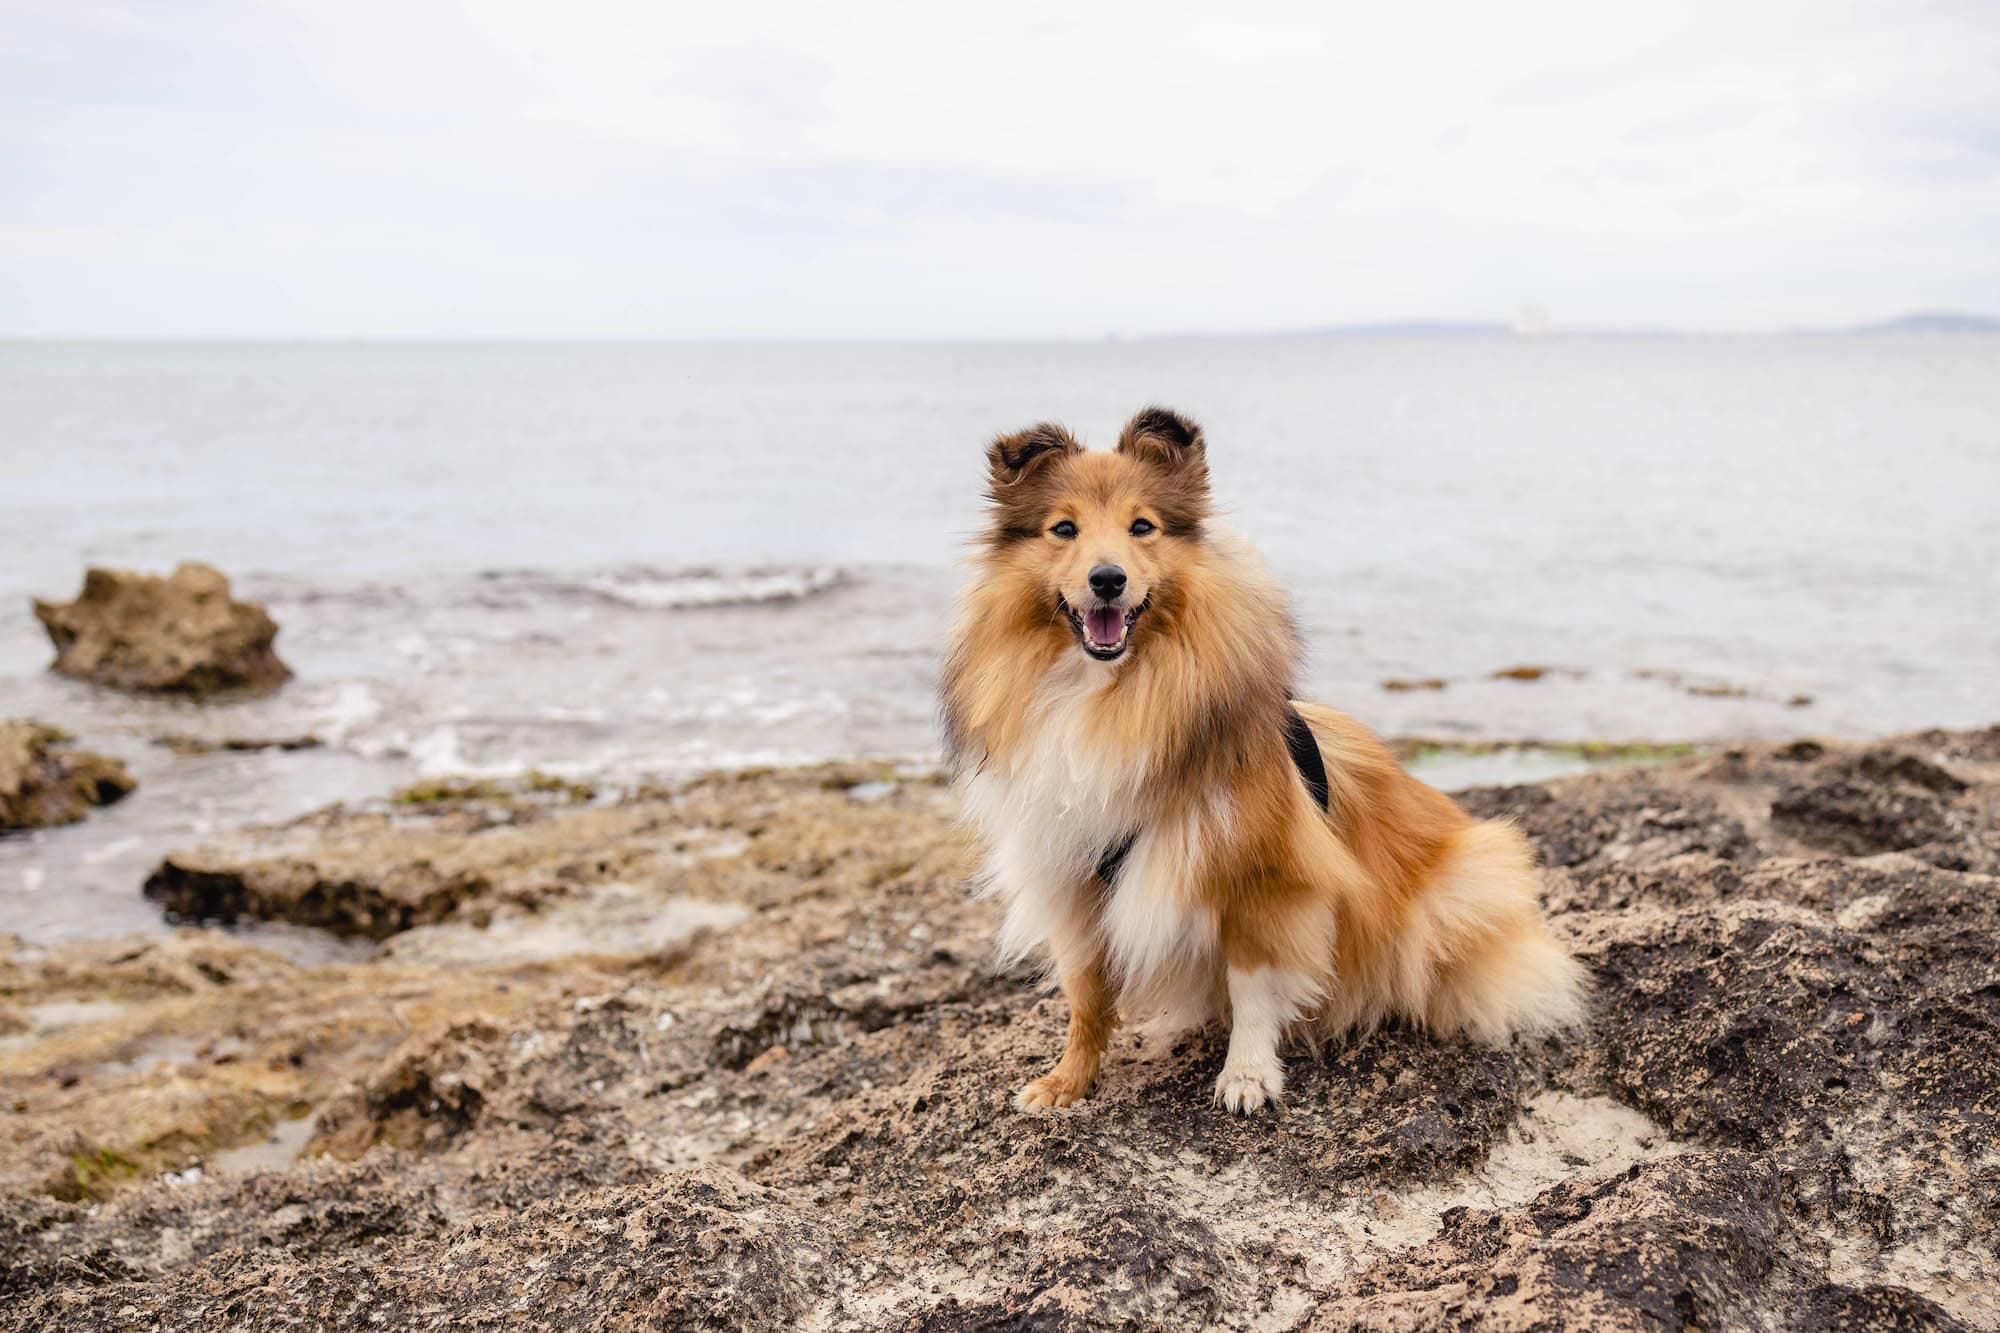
1239, 894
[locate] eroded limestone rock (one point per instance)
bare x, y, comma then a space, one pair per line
183, 634
44, 781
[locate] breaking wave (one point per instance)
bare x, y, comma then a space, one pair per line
642, 587
686, 589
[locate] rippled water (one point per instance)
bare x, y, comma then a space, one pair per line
669, 556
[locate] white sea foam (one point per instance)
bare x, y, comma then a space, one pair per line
354, 705
437, 752
686, 589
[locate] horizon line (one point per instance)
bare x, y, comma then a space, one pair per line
1915, 321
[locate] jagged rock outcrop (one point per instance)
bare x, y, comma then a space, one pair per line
183, 634
1781, 1113
45, 781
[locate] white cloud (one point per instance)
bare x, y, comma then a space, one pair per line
621, 168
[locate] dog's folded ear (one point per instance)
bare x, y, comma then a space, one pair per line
1172, 443
1012, 457
1014, 462
1167, 438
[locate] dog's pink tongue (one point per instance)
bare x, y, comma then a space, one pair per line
1106, 624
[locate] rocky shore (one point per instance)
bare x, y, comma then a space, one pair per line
731, 1054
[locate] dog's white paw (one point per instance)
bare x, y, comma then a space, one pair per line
1246, 1091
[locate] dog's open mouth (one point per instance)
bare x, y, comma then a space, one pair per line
1104, 629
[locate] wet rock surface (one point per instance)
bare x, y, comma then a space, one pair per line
793, 1107
44, 781
183, 634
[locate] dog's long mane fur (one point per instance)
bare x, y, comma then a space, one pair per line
1392, 901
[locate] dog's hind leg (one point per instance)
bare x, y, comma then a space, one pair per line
1092, 1016
1493, 967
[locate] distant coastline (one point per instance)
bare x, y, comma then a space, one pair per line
1918, 322
1932, 321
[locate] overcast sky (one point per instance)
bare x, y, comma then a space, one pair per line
644, 168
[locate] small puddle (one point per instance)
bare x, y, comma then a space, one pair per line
275, 1153
57, 1016
617, 920
1449, 770
153, 1052
1450, 766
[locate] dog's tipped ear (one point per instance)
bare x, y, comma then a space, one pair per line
1011, 457
1167, 438
1173, 444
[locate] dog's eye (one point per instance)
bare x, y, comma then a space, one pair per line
1065, 530
1141, 526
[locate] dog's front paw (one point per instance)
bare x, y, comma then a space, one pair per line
1246, 1091
1050, 1090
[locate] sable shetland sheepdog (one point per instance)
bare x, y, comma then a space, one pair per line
1118, 715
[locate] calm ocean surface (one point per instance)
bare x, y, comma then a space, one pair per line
643, 558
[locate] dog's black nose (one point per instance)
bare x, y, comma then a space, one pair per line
1107, 581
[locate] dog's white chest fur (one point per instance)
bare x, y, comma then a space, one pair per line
1051, 811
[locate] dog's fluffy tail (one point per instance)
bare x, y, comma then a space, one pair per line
1495, 970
